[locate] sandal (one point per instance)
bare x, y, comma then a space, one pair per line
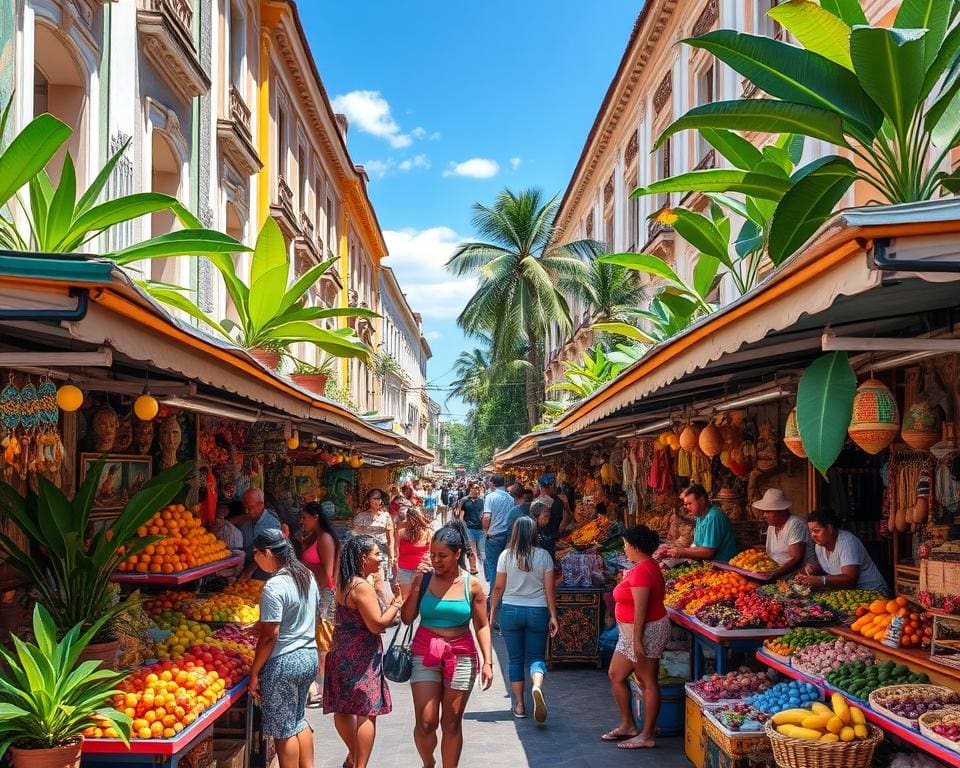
518, 715
617, 735
314, 701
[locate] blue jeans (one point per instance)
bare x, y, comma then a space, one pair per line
494, 547
525, 631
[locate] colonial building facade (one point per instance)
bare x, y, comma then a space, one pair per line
657, 81
218, 103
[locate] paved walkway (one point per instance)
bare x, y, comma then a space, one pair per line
580, 710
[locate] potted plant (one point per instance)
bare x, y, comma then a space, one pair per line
67, 563
49, 697
271, 315
312, 377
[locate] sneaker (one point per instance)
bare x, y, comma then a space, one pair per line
518, 715
539, 706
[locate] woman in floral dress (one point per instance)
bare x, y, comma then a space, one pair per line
354, 689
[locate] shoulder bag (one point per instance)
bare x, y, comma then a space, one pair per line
398, 658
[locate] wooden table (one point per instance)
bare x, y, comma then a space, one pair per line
580, 616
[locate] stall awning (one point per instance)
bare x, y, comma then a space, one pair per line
832, 280
119, 315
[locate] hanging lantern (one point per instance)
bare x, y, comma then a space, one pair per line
876, 419
791, 436
146, 407
921, 426
689, 438
664, 438
69, 398
711, 440
293, 442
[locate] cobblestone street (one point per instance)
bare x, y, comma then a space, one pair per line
580, 710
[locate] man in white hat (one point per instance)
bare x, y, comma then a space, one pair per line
788, 542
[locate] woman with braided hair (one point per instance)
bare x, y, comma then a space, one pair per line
285, 661
445, 663
353, 687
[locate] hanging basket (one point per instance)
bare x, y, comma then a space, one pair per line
689, 438
791, 436
921, 426
711, 441
876, 419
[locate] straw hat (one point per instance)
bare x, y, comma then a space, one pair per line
773, 500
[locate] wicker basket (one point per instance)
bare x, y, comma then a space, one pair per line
928, 720
735, 744
877, 697
800, 753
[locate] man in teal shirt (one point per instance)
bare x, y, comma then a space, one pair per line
713, 537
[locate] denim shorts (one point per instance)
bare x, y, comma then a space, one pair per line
405, 576
464, 673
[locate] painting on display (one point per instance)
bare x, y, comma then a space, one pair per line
306, 482
121, 478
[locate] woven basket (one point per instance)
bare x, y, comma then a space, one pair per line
800, 753
745, 743
876, 420
876, 698
927, 721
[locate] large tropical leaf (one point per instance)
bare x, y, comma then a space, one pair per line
177, 300
340, 342
60, 213
890, 67
763, 116
849, 11
111, 212
931, 15
816, 28
809, 203
183, 242
644, 262
824, 407
703, 235
29, 152
624, 329
269, 272
793, 74
303, 284
705, 274
719, 180
946, 59
740, 152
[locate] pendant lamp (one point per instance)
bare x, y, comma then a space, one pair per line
876, 419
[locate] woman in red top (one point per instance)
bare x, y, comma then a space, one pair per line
413, 543
644, 632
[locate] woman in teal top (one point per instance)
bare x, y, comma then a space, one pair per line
444, 652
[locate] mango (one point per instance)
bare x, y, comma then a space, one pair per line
791, 716
847, 733
829, 737
840, 708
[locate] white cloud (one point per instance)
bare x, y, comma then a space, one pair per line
377, 169
419, 132
417, 161
474, 168
370, 113
433, 335
418, 257
434, 136
515, 162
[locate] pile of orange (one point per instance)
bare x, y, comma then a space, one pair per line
246, 588
168, 601
703, 587
163, 699
186, 544
224, 608
755, 560
872, 622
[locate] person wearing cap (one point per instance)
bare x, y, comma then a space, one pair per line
550, 513
788, 541
713, 537
285, 660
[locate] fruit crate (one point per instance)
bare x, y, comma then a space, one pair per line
736, 743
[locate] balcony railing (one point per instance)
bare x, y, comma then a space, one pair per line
284, 194
166, 38
180, 10
239, 111
306, 226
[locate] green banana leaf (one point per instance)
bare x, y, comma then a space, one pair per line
816, 29
29, 152
824, 408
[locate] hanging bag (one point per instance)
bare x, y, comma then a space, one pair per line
398, 659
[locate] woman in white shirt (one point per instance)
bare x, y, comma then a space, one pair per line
788, 541
842, 560
529, 612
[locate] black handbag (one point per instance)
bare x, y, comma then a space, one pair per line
398, 659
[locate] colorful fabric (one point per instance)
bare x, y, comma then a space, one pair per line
656, 635
284, 684
433, 650
353, 682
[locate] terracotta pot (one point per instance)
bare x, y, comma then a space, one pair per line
67, 756
266, 357
106, 653
312, 382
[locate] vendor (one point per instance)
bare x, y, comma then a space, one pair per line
788, 541
842, 560
713, 537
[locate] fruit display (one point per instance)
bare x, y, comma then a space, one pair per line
911, 701
846, 601
800, 611
860, 680
820, 660
718, 616
872, 622
787, 695
759, 611
185, 635
755, 561
944, 725
740, 716
223, 608
233, 634
592, 532
249, 589
733, 685
696, 590
819, 722
185, 543
168, 602
795, 639
784, 588
670, 575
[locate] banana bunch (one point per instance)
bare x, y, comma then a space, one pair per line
822, 723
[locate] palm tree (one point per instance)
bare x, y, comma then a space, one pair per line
519, 268
610, 290
471, 369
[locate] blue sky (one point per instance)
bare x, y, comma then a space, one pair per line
450, 102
